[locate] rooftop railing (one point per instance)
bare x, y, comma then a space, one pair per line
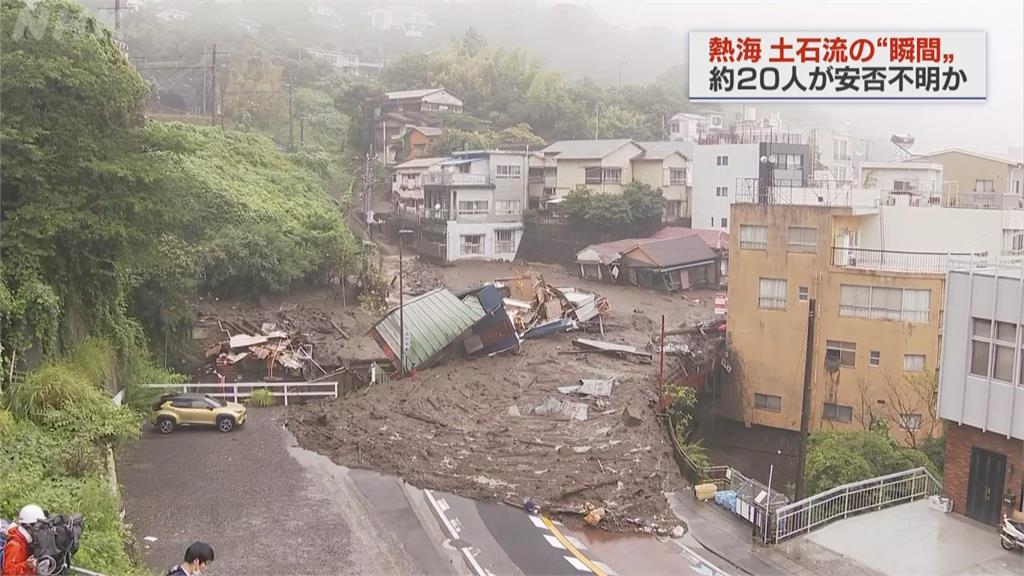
901, 260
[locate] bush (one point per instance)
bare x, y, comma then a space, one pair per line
261, 397
52, 387
835, 458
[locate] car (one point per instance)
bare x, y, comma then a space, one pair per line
173, 410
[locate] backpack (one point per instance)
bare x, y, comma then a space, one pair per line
4, 527
55, 541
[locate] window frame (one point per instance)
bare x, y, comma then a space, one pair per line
474, 211
802, 245
771, 300
874, 358
906, 419
504, 246
677, 176
994, 345
755, 244
463, 244
766, 401
803, 293
907, 358
876, 306
845, 352
512, 172
512, 207
837, 410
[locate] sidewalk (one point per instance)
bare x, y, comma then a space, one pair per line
728, 538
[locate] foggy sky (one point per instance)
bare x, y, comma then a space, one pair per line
991, 126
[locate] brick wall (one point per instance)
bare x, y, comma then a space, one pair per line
957, 470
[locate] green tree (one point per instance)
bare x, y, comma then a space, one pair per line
835, 458
646, 204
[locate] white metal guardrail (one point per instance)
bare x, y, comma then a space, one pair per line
849, 499
241, 390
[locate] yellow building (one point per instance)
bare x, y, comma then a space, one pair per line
980, 173
877, 321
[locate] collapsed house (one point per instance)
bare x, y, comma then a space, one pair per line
267, 353
490, 319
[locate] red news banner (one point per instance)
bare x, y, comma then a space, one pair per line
875, 65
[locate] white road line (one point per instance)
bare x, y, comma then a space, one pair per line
605, 568
575, 542
444, 519
471, 558
443, 504
537, 522
577, 564
554, 541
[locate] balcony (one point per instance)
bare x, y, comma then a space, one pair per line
750, 137
456, 179
946, 199
901, 261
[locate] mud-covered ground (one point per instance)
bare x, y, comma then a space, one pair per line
465, 426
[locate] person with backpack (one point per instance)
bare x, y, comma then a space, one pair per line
17, 555
197, 557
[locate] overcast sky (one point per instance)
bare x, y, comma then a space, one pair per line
992, 126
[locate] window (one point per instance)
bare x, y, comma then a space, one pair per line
903, 186
675, 127
772, 293
837, 413
473, 244
722, 191
801, 293
875, 358
982, 340
845, 353
673, 209
598, 175
902, 304
507, 172
1013, 241
676, 176
987, 186
913, 362
504, 241
803, 239
725, 222
722, 160
910, 422
768, 402
472, 207
506, 207
788, 161
753, 237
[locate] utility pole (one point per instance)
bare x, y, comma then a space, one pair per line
117, 28
206, 84
302, 129
620, 74
597, 122
213, 85
291, 117
805, 411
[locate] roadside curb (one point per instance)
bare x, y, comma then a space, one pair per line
467, 554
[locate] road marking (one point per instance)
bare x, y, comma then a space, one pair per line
577, 564
575, 542
466, 553
590, 567
443, 504
537, 522
606, 568
554, 541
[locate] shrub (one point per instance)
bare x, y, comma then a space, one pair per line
52, 387
261, 397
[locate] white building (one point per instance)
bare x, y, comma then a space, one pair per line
832, 153
688, 127
407, 181
473, 206
412, 21
349, 63
173, 15
723, 171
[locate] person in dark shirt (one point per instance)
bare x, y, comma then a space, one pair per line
197, 558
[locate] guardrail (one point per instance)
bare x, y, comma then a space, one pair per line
241, 390
901, 261
850, 499
455, 179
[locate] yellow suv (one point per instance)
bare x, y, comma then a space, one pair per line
173, 410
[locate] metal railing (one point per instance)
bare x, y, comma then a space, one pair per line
849, 499
982, 200
902, 261
241, 390
455, 179
750, 136
796, 192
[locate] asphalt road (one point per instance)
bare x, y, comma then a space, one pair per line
269, 507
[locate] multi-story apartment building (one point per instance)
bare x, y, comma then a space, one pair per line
981, 390
730, 164
876, 275
407, 182
473, 206
608, 166
831, 153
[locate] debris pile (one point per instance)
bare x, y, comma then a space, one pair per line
270, 353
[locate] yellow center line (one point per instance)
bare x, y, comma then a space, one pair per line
572, 549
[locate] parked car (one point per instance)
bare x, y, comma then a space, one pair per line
173, 410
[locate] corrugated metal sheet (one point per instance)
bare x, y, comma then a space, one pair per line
473, 302
433, 319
